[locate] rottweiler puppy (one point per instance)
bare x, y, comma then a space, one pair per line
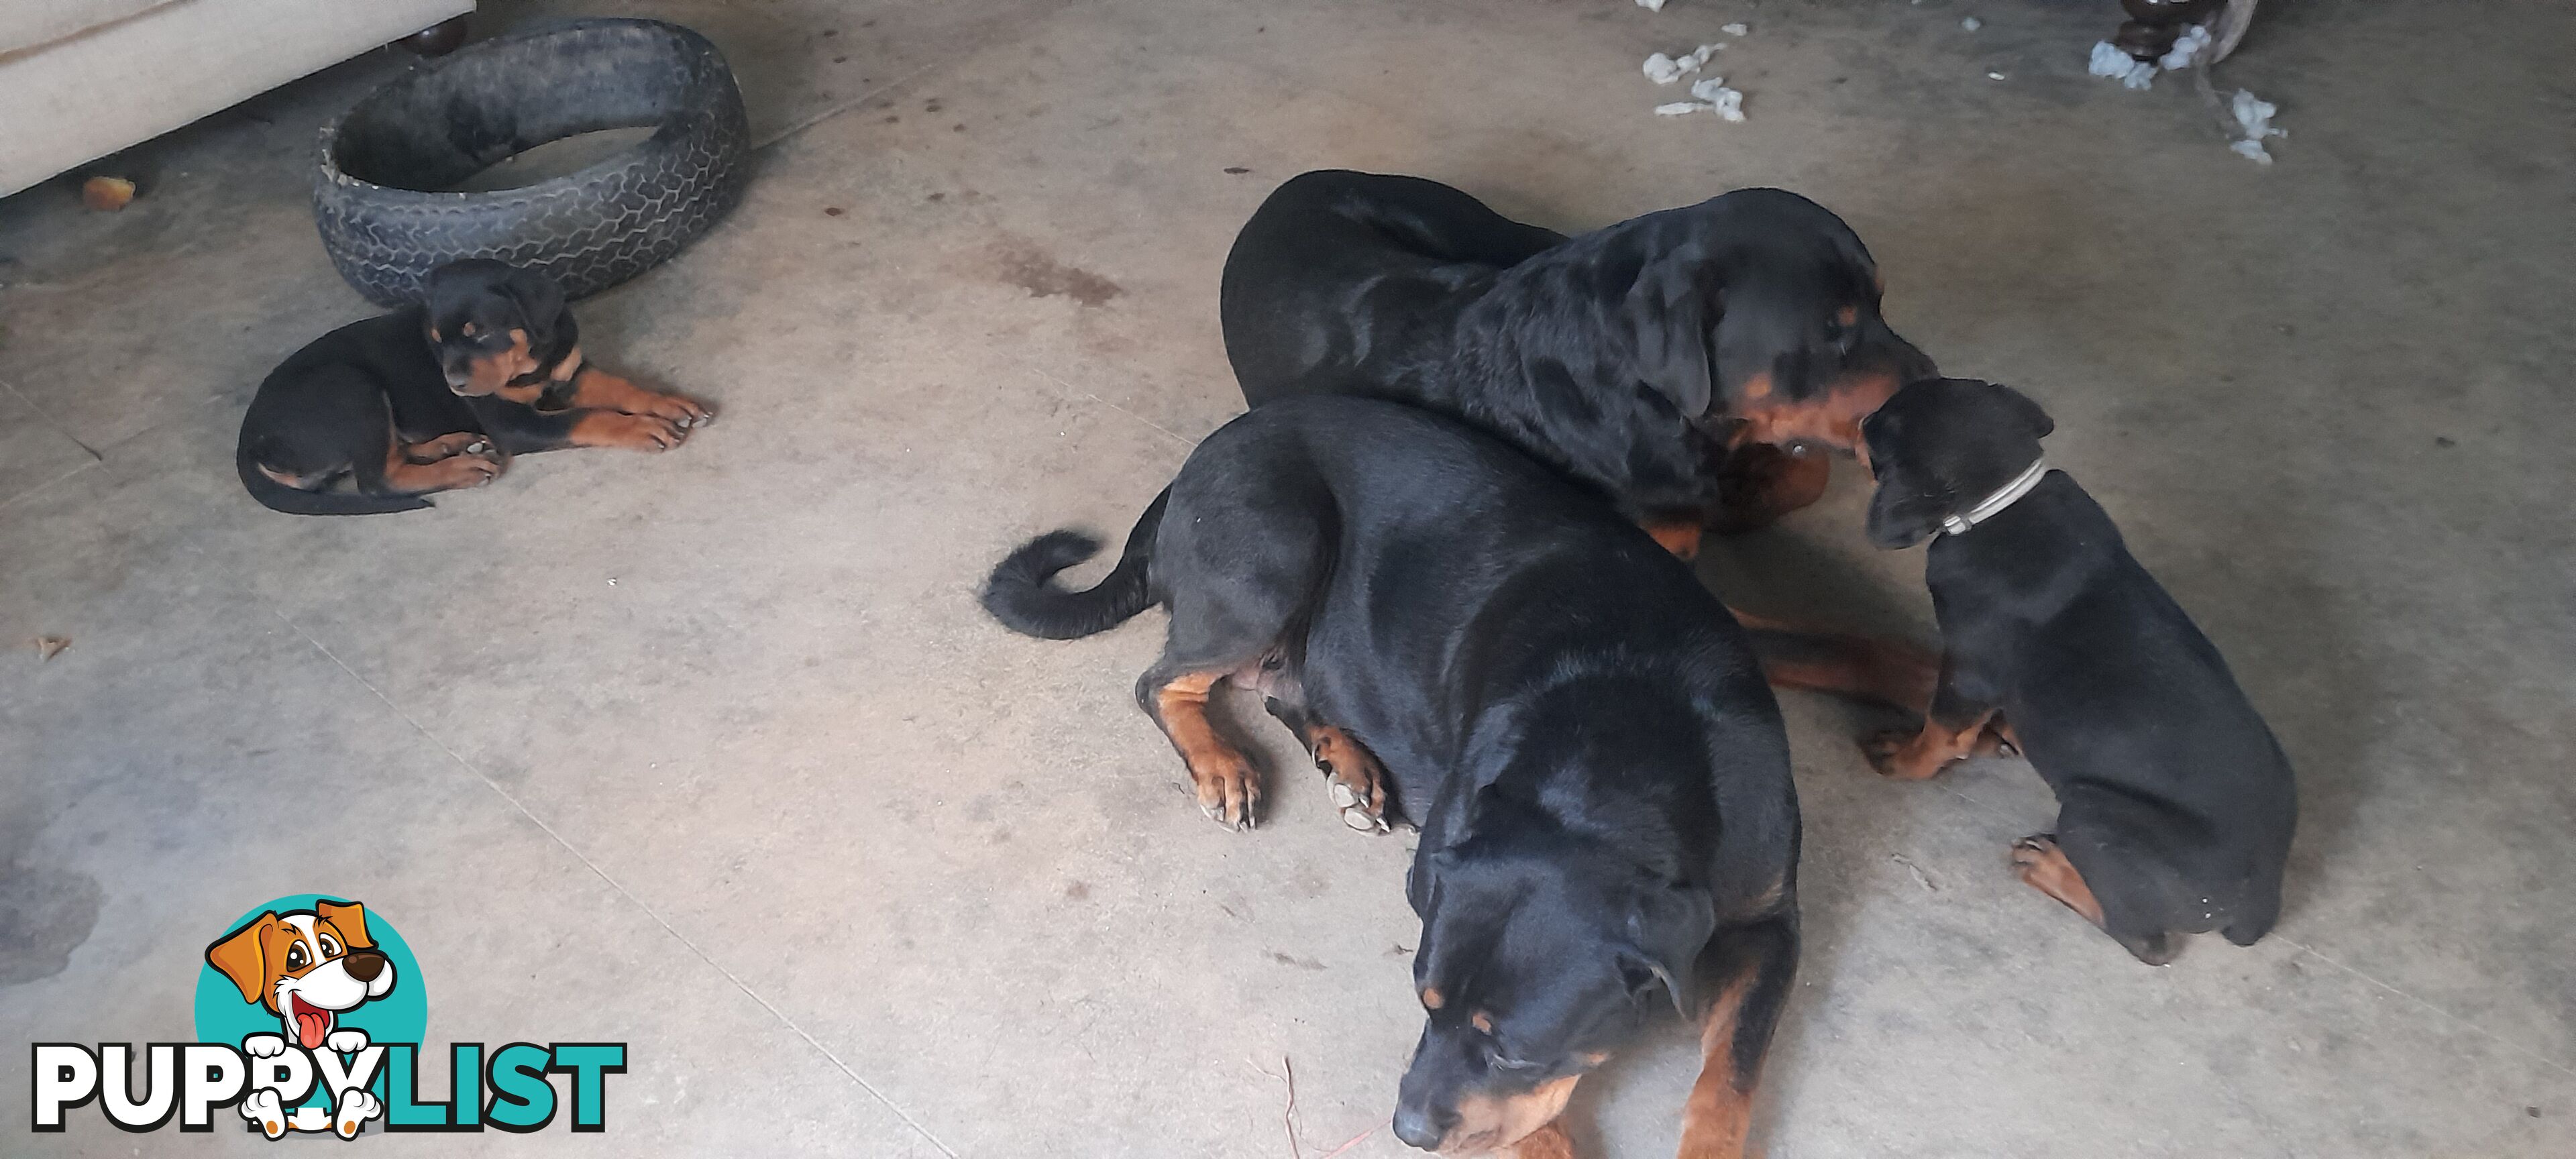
1665, 360
1464, 638
375, 415
2175, 804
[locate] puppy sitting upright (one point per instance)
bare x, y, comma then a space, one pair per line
2175, 804
377, 414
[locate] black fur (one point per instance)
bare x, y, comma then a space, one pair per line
1599, 770
2175, 802
1022, 598
1617, 356
328, 416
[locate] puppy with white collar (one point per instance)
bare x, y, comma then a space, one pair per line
308, 967
2175, 804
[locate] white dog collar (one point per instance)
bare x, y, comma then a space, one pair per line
1993, 505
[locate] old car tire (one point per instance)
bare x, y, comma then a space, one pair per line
382, 199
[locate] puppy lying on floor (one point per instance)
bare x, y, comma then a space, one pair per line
1649, 358
2175, 805
1691, 365
1462, 637
375, 415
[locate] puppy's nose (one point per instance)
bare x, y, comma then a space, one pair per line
363, 965
1419, 1127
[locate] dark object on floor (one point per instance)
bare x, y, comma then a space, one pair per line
438, 39
2175, 805
2154, 25
379, 196
1461, 636
377, 414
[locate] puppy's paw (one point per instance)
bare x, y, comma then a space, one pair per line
446, 446
651, 434
1355, 779
1229, 793
1902, 755
679, 410
352, 1112
464, 469
263, 1045
346, 1041
263, 1107
2033, 851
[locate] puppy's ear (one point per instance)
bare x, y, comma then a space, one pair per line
541, 307
350, 919
2038, 421
242, 956
1668, 925
1671, 311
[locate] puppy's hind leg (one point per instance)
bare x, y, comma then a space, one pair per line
1237, 562
1752, 967
1358, 782
441, 464
1176, 695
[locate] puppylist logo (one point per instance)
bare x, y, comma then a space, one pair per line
310, 1020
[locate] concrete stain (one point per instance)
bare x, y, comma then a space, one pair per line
45, 914
1037, 271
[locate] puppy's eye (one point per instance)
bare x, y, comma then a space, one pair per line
1504, 1061
330, 948
296, 958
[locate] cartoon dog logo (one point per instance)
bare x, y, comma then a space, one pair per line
308, 967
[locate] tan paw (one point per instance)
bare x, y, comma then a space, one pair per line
447, 447
1900, 755
648, 433
682, 412
1229, 793
461, 470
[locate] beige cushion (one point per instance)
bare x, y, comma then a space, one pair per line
29, 23
90, 94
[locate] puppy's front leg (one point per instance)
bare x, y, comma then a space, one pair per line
1951, 729
596, 389
634, 432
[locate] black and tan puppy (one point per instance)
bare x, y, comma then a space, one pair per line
1662, 360
2175, 805
1462, 637
376, 414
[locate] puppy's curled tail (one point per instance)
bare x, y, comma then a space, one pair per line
278, 496
1023, 597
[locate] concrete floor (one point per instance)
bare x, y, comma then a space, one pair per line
714, 753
